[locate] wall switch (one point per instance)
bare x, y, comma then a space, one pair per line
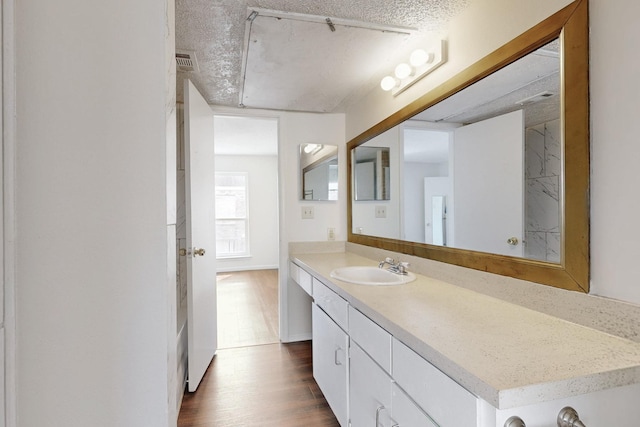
331, 233
307, 212
381, 211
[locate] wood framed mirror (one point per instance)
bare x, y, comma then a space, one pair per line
567, 30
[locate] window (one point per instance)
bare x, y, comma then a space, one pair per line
232, 219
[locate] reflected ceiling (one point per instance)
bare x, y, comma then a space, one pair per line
509, 89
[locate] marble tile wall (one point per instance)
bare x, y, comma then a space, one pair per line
542, 201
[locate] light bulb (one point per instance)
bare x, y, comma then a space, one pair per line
420, 57
388, 83
309, 148
403, 71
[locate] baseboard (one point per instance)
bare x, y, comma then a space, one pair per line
298, 337
232, 269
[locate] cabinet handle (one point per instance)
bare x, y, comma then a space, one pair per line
514, 422
380, 409
568, 417
335, 356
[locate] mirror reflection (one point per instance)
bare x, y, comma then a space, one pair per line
371, 173
480, 170
319, 172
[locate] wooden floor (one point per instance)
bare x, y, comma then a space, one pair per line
247, 308
266, 385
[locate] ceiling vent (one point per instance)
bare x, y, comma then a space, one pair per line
186, 60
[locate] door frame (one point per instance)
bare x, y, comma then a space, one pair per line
283, 252
7, 169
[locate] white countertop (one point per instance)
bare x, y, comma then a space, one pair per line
506, 354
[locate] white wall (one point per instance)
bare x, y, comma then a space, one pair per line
296, 129
615, 205
92, 237
263, 211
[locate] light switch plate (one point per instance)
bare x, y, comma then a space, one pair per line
307, 212
381, 211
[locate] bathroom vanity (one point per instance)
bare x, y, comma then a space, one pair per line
430, 353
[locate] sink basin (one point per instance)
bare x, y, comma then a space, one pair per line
373, 276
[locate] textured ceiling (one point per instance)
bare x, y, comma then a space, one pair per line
215, 30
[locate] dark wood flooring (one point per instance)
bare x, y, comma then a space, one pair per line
247, 308
254, 380
267, 386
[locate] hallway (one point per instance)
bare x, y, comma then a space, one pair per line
247, 308
266, 385
254, 380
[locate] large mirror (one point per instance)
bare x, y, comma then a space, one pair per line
490, 170
318, 172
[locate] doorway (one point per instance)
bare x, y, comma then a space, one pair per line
247, 241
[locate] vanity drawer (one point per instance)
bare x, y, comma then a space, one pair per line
301, 277
444, 400
331, 303
371, 338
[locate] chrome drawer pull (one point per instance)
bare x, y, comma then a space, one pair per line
514, 422
568, 417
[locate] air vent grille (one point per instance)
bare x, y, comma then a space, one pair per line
186, 60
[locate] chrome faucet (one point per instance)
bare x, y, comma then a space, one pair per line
394, 267
387, 260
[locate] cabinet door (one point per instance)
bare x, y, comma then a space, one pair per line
444, 400
369, 391
405, 412
331, 362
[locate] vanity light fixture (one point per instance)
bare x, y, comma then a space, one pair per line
312, 148
421, 63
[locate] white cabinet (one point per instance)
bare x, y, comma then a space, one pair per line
369, 391
405, 412
331, 303
331, 362
301, 277
448, 403
607, 408
365, 373
371, 337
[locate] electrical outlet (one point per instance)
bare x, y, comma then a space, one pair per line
307, 212
381, 211
331, 233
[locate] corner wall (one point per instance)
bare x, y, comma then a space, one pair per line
615, 152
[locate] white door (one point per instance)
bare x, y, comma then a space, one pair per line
488, 186
200, 226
